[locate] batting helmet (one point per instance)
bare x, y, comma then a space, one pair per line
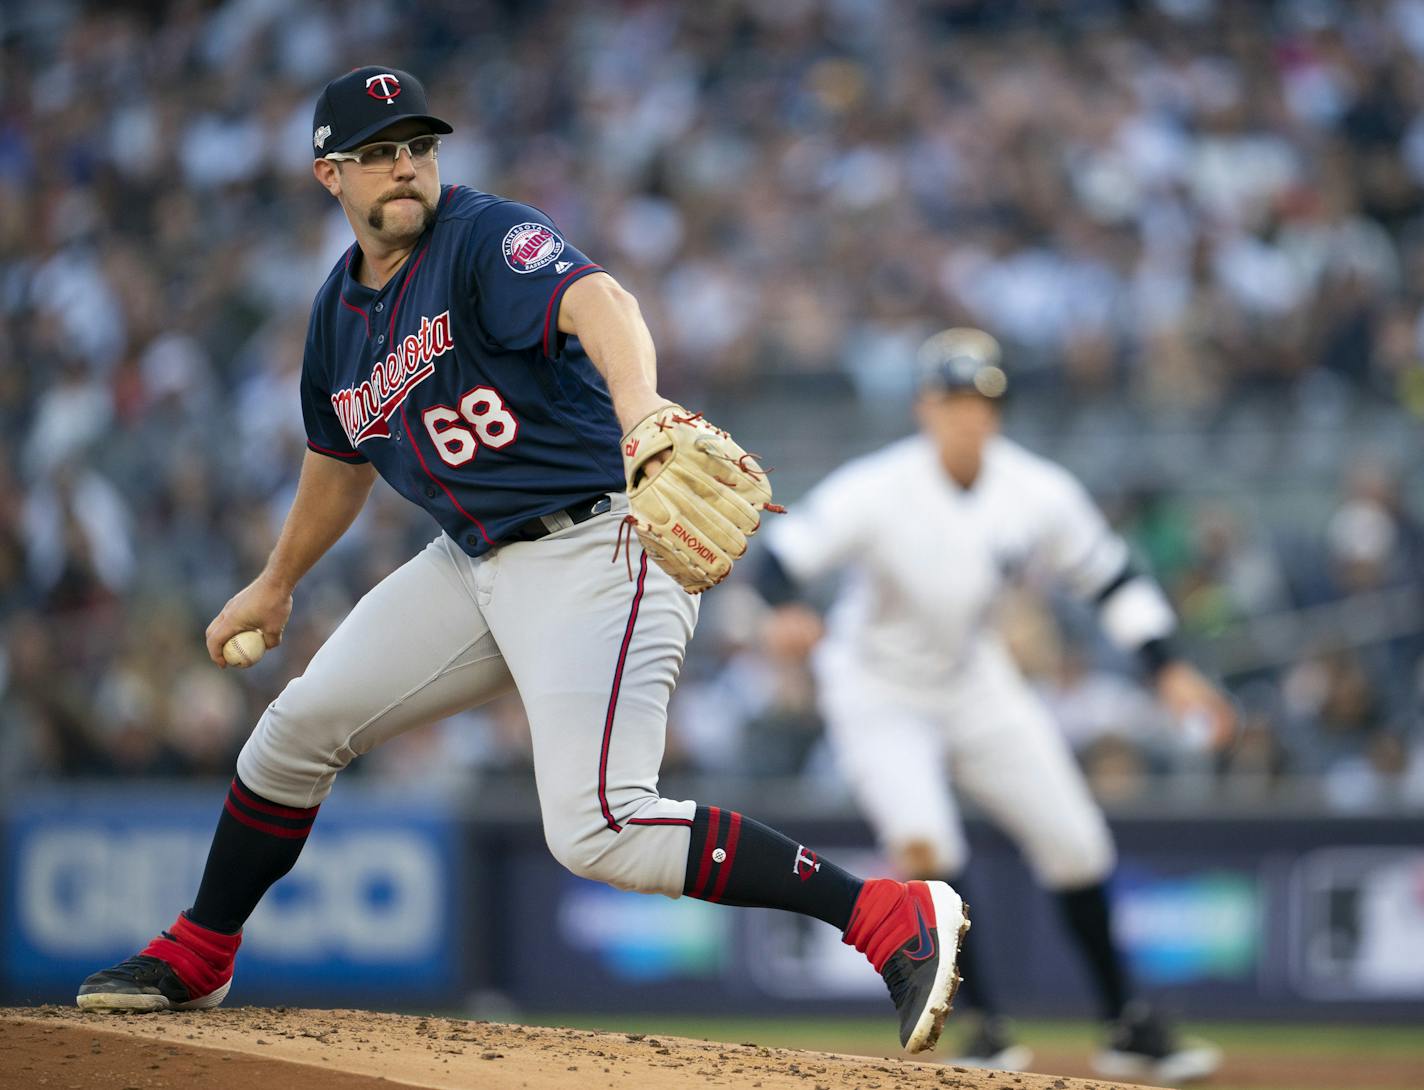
962, 359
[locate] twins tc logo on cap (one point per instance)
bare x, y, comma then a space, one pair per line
383, 86
530, 246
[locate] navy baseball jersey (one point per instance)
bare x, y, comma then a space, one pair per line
454, 381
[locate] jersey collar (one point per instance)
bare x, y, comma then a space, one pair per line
353, 289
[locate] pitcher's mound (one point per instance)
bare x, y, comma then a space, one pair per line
256, 1048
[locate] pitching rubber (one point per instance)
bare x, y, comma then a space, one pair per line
951, 925
149, 1002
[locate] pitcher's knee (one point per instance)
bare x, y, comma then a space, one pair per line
594, 857
646, 859
293, 756
572, 853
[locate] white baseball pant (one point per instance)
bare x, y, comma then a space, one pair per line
904, 753
593, 655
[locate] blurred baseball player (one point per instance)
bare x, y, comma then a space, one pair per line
466, 352
918, 693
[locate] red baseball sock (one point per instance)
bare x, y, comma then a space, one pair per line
201, 958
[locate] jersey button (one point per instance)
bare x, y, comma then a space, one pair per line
431, 491
380, 307
471, 539
381, 339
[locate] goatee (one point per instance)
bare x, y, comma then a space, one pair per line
376, 217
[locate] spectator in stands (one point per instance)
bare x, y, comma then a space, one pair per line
1208, 213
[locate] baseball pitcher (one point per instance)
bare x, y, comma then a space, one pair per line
471, 356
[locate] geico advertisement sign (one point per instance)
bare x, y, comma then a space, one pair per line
363, 895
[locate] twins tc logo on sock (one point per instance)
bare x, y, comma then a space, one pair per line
807, 862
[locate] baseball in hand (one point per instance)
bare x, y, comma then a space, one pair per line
245, 648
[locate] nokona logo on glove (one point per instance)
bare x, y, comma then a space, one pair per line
692, 543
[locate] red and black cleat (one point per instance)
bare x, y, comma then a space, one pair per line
187, 967
911, 933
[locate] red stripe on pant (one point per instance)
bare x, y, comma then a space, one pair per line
613, 699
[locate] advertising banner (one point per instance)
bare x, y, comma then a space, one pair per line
1358, 923
369, 909
395, 904
1249, 918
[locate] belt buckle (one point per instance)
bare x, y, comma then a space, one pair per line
557, 520
575, 513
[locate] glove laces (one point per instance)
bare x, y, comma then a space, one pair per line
624, 543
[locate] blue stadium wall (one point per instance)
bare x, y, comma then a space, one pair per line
401, 904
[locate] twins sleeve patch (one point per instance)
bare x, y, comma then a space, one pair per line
531, 246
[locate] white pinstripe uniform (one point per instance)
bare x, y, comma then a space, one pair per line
916, 688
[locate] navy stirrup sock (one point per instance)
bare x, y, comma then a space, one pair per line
257, 841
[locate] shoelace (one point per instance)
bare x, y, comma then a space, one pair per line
141, 968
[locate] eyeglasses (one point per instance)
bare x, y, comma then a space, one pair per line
382, 156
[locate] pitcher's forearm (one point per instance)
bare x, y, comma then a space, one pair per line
330, 494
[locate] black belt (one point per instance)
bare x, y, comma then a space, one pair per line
572, 515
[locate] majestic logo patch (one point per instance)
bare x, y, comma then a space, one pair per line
384, 87
319, 137
365, 410
530, 246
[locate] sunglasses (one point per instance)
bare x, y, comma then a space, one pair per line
382, 156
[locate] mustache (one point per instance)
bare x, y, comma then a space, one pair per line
403, 193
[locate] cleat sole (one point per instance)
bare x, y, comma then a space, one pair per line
951, 919
122, 1002
117, 1002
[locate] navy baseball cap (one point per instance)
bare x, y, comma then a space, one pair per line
961, 360
354, 107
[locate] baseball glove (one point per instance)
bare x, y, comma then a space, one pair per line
693, 513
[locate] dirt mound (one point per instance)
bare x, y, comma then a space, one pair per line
255, 1048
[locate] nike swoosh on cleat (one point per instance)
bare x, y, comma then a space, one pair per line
926, 947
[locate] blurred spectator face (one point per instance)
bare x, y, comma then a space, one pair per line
1387, 755
1362, 538
1257, 749
1116, 769
1349, 704
397, 202
958, 423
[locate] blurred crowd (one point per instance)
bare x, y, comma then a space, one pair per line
1179, 206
